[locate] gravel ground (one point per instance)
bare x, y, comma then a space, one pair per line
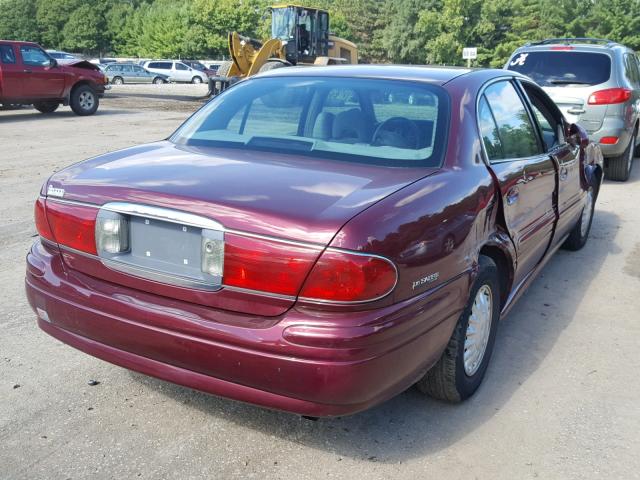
560, 399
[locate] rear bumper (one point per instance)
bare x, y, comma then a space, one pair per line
612, 127
301, 362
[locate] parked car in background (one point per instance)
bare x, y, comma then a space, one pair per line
215, 66
29, 76
121, 73
177, 71
102, 62
61, 55
312, 256
596, 83
200, 67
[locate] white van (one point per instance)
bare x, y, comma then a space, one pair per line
176, 71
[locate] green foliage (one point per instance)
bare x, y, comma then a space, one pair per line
399, 31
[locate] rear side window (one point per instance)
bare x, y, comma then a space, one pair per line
515, 130
563, 68
7, 56
34, 56
631, 69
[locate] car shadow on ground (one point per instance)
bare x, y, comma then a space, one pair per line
412, 425
32, 115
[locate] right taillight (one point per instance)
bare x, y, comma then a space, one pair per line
342, 276
609, 96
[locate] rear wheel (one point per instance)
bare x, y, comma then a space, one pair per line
84, 100
117, 81
619, 168
46, 107
158, 81
272, 64
580, 233
460, 370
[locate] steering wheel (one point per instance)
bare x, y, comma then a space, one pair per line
397, 132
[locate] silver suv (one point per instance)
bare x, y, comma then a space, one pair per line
596, 83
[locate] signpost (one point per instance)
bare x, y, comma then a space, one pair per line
469, 54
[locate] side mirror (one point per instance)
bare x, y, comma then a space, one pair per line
53, 63
576, 135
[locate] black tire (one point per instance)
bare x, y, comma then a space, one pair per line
197, 80
272, 64
46, 107
158, 81
118, 81
619, 168
448, 380
579, 235
84, 100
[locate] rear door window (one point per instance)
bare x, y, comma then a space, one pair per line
515, 130
563, 68
7, 55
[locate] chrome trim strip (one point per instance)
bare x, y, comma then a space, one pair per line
70, 202
241, 233
259, 293
163, 214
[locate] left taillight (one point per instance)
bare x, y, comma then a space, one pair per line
72, 225
42, 224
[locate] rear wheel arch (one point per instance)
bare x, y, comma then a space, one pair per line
504, 262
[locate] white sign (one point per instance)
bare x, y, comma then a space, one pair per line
469, 53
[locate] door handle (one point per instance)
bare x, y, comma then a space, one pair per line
576, 110
28, 71
512, 195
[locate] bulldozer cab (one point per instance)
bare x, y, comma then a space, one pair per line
303, 31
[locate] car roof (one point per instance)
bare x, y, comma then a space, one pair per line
599, 45
431, 74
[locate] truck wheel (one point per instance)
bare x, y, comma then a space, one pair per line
117, 81
580, 232
158, 81
619, 168
84, 100
46, 107
224, 69
272, 64
460, 370
196, 80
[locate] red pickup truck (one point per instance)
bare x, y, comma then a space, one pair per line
28, 75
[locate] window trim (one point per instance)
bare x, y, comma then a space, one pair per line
481, 92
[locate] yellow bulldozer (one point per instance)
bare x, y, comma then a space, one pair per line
299, 36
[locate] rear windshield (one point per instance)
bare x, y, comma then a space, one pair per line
563, 68
393, 123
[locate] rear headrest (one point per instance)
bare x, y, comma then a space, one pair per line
323, 127
351, 124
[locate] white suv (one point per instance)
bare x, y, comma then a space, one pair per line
176, 71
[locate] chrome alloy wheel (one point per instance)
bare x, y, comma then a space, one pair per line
86, 100
587, 213
478, 330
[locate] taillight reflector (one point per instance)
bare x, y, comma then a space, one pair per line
73, 225
610, 96
265, 265
341, 276
42, 225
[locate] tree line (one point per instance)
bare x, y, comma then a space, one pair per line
396, 31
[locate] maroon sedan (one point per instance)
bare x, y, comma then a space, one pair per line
317, 240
